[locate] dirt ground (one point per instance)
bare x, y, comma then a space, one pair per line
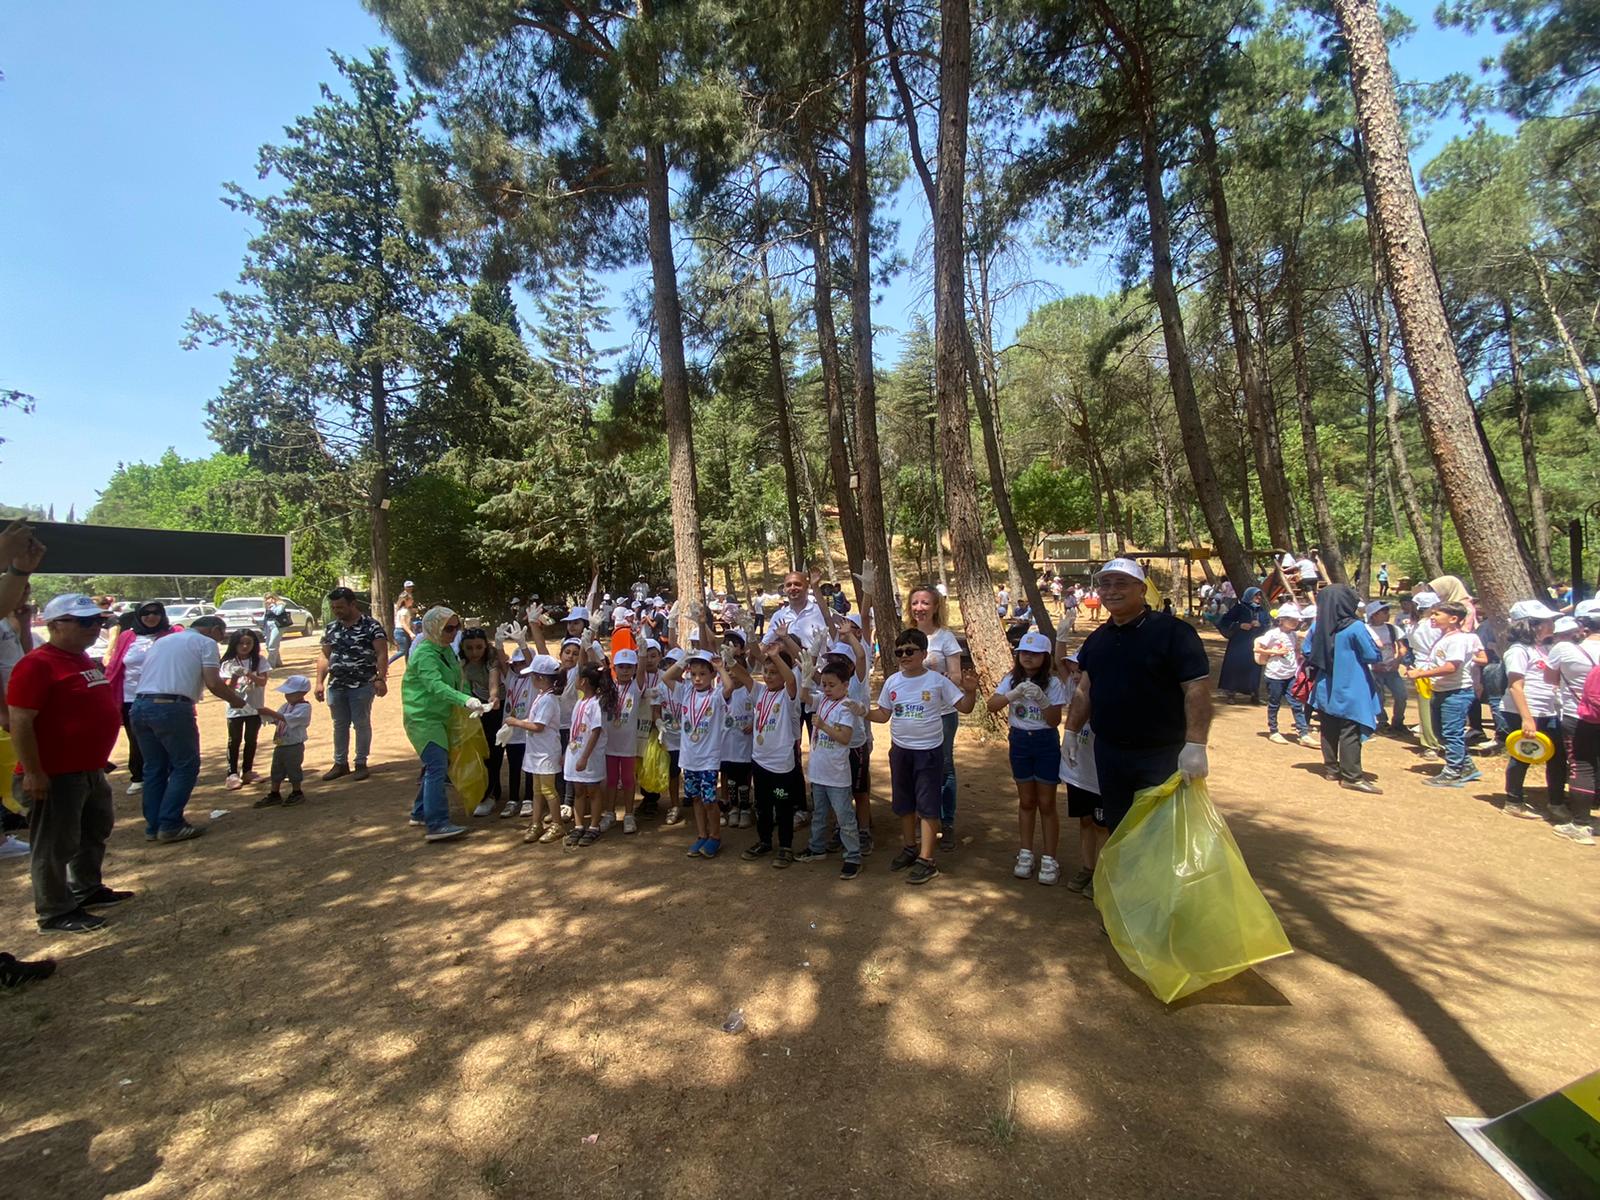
314, 1003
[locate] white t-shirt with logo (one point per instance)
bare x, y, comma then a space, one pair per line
773, 724
672, 699
829, 763
737, 719
176, 665
1574, 661
1283, 666
1460, 648
543, 753
255, 694
1528, 664
702, 716
917, 704
622, 734
1025, 714
587, 717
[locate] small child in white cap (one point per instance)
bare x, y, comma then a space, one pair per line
292, 720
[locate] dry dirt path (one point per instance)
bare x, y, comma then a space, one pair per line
314, 1003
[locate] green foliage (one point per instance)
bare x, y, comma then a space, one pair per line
1047, 499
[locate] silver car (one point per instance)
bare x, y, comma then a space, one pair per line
246, 612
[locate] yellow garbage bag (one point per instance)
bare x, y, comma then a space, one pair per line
654, 766
1177, 899
469, 773
8, 767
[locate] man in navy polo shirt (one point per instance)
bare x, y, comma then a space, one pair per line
1145, 689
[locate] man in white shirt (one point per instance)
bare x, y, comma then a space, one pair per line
800, 617
179, 669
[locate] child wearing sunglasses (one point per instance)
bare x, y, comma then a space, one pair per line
911, 703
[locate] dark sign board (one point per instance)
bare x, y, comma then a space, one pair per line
113, 550
1549, 1149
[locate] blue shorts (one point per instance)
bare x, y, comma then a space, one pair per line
701, 786
1036, 755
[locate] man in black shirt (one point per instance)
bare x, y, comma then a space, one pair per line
1145, 689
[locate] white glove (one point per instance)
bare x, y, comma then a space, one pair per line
728, 658
868, 575
1030, 692
503, 738
674, 611
476, 707
806, 666
1192, 760
535, 614
856, 707
1071, 743
819, 643
662, 727
503, 633
587, 639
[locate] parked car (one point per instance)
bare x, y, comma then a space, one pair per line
184, 613
245, 612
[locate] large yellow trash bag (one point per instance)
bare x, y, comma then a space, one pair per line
469, 774
1177, 899
8, 767
654, 766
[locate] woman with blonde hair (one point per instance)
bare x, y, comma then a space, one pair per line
926, 610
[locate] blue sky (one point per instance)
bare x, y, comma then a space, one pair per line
118, 125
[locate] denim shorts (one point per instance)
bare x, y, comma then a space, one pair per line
1035, 755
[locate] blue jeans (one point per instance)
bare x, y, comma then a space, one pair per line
402, 644
843, 805
1277, 692
273, 636
947, 797
1450, 711
432, 806
1390, 681
351, 706
169, 740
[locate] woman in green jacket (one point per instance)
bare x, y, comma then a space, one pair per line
432, 688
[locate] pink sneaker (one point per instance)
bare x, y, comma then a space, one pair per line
234, 783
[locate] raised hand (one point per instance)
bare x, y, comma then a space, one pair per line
868, 576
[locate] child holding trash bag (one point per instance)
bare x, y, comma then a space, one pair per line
1033, 696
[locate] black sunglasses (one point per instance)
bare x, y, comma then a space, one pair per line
906, 651
85, 622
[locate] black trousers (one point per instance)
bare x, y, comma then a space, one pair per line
135, 759
242, 730
1341, 747
777, 796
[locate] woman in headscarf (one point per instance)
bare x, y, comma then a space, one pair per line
433, 686
1343, 653
1241, 625
138, 631
1451, 590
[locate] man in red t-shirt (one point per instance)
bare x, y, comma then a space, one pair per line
64, 721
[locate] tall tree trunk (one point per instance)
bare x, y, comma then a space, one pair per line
1224, 536
937, 554
1492, 461
1369, 511
1436, 526
1327, 534
1544, 563
874, 533
1585, 381
780, 393
991, 652
819, 527
1243, 416
378, 493
1432, 564
832, 371
1482, 521
674, 385
1021, 567
1269, 470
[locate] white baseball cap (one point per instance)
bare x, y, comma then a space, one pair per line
1586, 608
543, 664
578, 612
625, 658
1565, 625
72, 604
295, 683
673, 655
704, 656
651, 644
408, 583
1289, 610
854, 618
844, 649
1425, 599
565, 642
1034, 643
1533, 610
1122, 566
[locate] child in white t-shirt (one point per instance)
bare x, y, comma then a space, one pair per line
671, 731
912, 703
292, 719
1033, 697
1450, 668
540, 729
776, 783
737, 739
585, 762
702, 719
1278, 652
244, 668
835, 725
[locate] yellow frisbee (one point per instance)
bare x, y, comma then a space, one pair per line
1533, 749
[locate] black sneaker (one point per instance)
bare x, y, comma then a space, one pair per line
783, 858
360, 773
76, 921
759, 850
293, 798
850, 870
181, 834
272, 798
103, 895
810, 855
907, 856
14, 972
947, 837
922, 871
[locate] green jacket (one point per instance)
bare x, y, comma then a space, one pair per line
432, 687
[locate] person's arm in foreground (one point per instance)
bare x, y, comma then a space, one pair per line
1197, 728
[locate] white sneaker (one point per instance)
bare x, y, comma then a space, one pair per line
486, 809
1024, 867
746, 818
1309, 742
135, 788
566, 812
526, 809
510, 810
607, 820
802, 818
12, 847
1572, 831
629, 825
1049, 871
673, 816
1277, 739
